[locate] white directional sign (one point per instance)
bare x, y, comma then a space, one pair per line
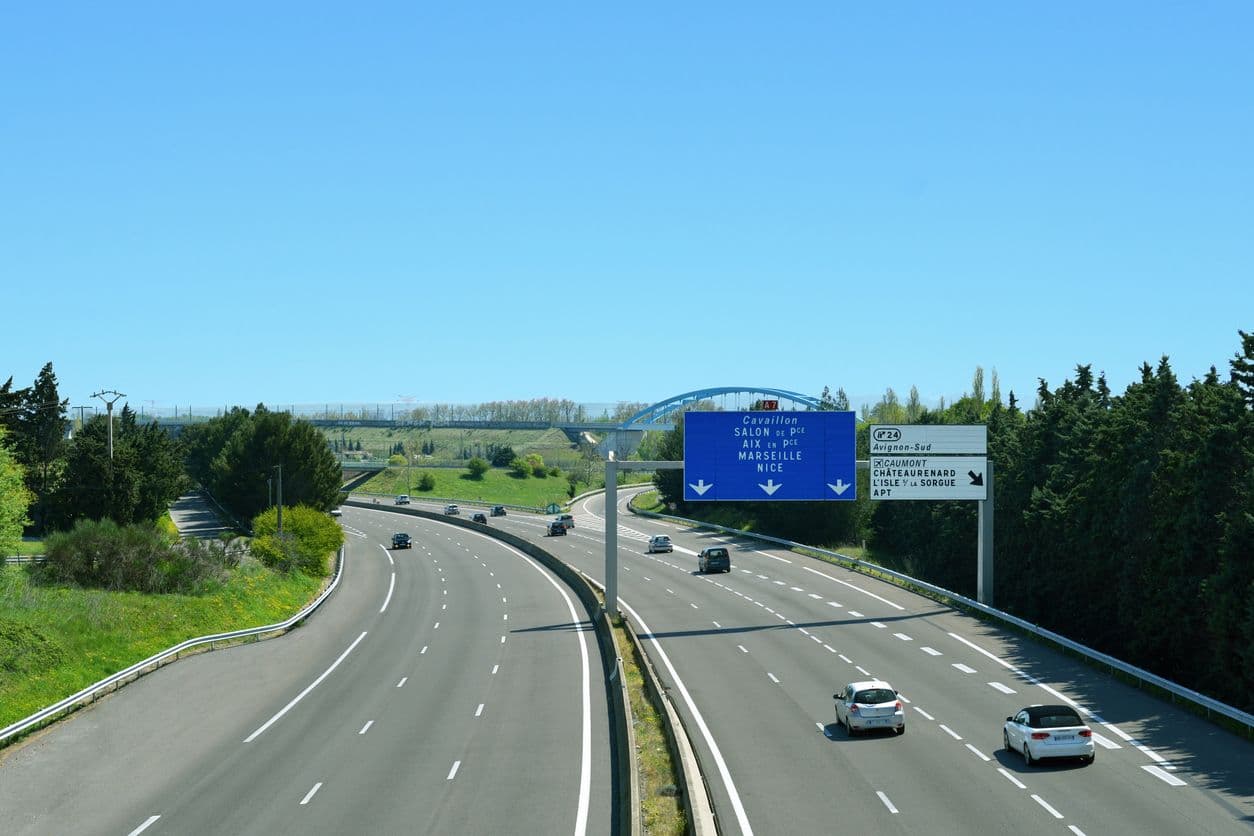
928, 439
928, 477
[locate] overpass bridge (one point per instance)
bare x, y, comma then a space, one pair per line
622, 437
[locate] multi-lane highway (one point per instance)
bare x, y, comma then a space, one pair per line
753, 657
450, 688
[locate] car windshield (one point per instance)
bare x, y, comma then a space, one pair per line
871, 696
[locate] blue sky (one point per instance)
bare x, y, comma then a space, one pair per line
303, 203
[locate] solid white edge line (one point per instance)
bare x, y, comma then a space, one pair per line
268, 723
388, 553
147, 824
887, 803
391, 586
310, 794
585, 766
1045, 804
737, 805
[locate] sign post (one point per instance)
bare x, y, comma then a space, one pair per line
939, 461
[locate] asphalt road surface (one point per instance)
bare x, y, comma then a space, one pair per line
753, 657
450, 688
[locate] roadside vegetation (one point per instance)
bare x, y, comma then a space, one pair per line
494, 486
1136, 509
57, 639
661, 807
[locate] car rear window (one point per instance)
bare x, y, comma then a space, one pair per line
716, 553
872, 696
1056, 720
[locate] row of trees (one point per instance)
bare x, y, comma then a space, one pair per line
67, 479
1125, 522
240, 456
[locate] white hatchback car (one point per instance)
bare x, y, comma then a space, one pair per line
1048, 731
872, 704
660, 543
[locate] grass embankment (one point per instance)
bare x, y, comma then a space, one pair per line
496, 486
29, 548
553, 444
660, 809
56, 640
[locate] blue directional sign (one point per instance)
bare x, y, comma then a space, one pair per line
779, 456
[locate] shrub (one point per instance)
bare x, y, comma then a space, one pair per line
426, 482
138, 557
477, 467
397, 460
520, 468
309, 538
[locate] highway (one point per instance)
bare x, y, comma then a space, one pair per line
753, 657
451, 688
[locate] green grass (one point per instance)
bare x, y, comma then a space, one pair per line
56, 640
495, 486
552, 444
26, 548
661, 810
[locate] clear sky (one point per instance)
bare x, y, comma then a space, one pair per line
299, 202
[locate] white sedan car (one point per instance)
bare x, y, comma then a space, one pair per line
1048, 731
872, 704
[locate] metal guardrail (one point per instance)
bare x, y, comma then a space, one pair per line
150, 664
1208, 703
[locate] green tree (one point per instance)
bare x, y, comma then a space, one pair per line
310, 538
236, 462
477, 467
503, 456
14, 498
41, 437
136, 485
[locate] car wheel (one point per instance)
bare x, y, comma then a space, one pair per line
1027, 755
901, 729
1005, 741
1089, 760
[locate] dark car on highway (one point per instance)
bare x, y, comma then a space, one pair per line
498, 510
401, 540
479, 517
555, 529
714, 559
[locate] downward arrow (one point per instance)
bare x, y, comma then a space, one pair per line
770, 487
701, 487
840, 487
976, 478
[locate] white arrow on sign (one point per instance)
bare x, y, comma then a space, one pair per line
840, 487
701, 487
770, 487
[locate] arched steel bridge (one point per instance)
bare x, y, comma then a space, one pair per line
655, 417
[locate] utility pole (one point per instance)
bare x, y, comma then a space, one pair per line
279, 468
109, 405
